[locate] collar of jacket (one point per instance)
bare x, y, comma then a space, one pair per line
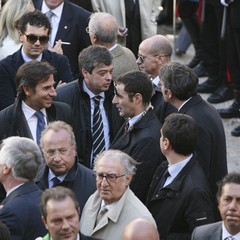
43, 174
174, 188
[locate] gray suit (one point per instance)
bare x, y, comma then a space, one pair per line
211, 231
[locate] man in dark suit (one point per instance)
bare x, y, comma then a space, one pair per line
139, 136
62, 168
95, 63
35, 86
179, 197
69, 23
20, 159
34, 29
153, 53
229, 206
179, 85
61, 215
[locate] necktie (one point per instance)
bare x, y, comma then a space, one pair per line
126, 128
40, 125
163, 179
55, 181
101, 213
98, 134
49, 15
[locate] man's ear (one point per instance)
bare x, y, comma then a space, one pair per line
27, 90
44, 222
84, 72
6, 169
138, 98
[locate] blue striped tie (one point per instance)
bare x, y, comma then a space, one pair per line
98, 133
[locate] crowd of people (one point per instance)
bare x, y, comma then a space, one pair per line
102, 135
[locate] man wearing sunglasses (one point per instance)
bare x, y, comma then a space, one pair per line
34, 29
113, 205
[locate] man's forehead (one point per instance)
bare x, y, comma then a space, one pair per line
102, 66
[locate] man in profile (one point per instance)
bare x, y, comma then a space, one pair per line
20, 159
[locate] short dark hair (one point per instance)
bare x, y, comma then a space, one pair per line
136, 82
180, 79
36, 19
30, 74
93, 56
58, 193
181, 130
229, 178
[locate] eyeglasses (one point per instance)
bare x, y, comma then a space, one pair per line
61, 151
109, 177
31, 38
143, 58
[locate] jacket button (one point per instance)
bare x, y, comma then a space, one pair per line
156, 195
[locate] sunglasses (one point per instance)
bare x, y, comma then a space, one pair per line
31, 38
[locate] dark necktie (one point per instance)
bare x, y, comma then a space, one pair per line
56, 181
163, 179
40, 125
98, 133
49, 15
126, 128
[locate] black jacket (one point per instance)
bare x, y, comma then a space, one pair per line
79, 179
13, 122
183, 204
10, 65
142, 144
73, 94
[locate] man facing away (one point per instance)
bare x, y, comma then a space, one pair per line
153, 53
229, 206
62, 167
103, 31
179, 197
20, 159
91, 100
34, 29
61, 215
179, 84
140, 134
113, 205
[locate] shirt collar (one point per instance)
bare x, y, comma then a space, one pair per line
113, 47
57, 11
28, 59
51, 175
91, 94
184, 103
29, 112
226, 234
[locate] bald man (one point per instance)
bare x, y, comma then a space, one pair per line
140, 229
153, 53
103, 30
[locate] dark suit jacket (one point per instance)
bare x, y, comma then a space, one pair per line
161, 108
183, 204
73, 94
142, 144
13, 121
72, 28
79, 179
21, 213
10, 65
211, 142
208, 232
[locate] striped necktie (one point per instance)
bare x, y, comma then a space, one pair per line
40, 125
98, 133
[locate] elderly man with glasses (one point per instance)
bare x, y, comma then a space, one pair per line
113, 205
